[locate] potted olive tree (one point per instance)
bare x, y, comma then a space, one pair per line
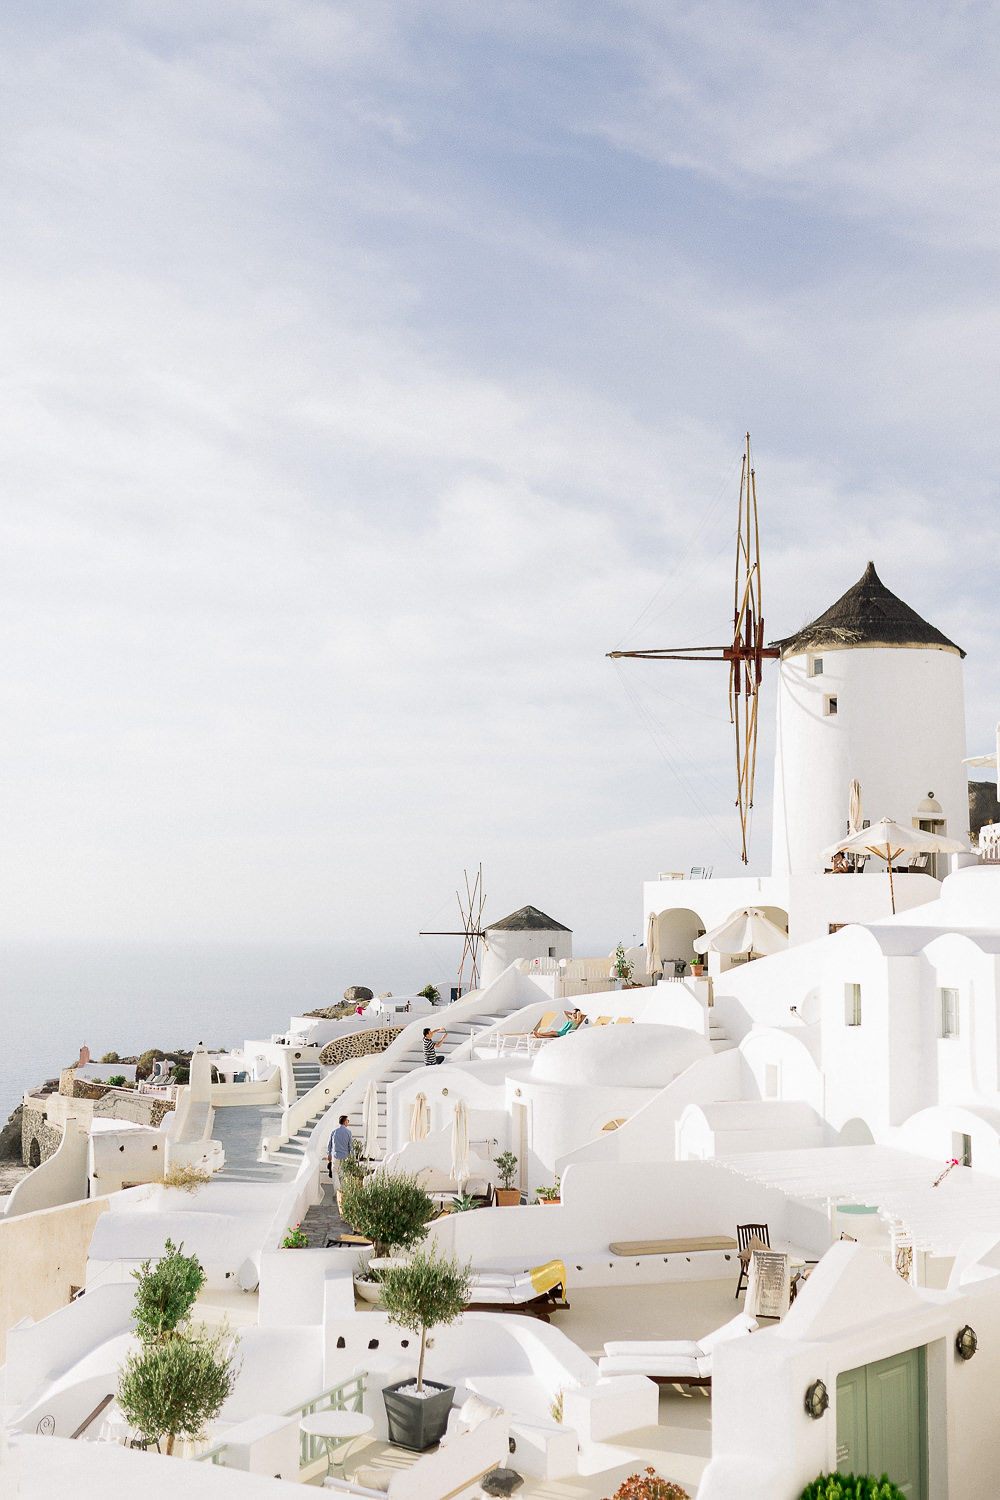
430, 1292
392, 1210
508, 1196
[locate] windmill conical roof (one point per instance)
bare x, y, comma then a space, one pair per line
869, 614
527, 919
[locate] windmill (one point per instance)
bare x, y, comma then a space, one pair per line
746, 654
470, 911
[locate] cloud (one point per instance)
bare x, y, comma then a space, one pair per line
368, 374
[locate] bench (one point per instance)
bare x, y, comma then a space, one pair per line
672, 1247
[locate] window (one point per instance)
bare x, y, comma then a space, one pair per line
831, 704
552, 953
852, 1005
961, 1147
949, 1012
815, 666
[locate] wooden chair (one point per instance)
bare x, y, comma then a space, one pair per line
745, 1235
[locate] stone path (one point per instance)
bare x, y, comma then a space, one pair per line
323, 1221
241, 1128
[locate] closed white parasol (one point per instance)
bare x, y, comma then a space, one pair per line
889, 840
652, 944
460, 1144
419, 1118
855, 811
745, 931
369, 1119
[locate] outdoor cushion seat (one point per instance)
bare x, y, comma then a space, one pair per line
538, 1291
671, 1367
673, 1360
686, 1348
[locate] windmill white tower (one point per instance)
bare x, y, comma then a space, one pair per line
868, 692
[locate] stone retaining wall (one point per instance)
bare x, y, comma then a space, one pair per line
358, 1044
35, 1128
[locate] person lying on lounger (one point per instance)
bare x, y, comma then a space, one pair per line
571, 1020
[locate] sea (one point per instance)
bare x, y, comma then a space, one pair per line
125, 997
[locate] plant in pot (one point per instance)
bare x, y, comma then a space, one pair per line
389, 1208
622, 967
430, 1292
549, 1194
508, 1196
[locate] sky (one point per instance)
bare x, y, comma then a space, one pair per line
371, 369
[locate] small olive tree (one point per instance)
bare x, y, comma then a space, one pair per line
166, 1293
171, 1388
390, 1209
431, 1291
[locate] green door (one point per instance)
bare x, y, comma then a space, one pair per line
881, 1421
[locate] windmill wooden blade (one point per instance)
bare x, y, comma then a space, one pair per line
746, 655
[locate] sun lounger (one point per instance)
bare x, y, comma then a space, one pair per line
538, 1292
624, 1021
673, 1361
603, 1021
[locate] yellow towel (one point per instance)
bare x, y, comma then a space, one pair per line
552, 1274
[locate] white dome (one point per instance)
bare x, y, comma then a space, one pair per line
642, 1057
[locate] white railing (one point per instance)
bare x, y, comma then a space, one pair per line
349, 1395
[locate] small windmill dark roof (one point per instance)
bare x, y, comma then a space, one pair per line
527, 919
867, 615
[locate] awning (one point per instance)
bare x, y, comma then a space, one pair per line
745, 931
898, 1183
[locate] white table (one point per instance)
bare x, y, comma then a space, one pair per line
337, 1429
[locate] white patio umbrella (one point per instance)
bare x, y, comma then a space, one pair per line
460, 1143
854, 808
745, 931
419, 1118
652, 944
889, 840
369, 1120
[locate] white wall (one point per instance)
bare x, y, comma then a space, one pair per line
899, 730
126, 1154
62, 1178
602, 1202
649, 1134
854, 1311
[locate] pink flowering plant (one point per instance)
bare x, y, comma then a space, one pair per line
649, 1486
296, 1239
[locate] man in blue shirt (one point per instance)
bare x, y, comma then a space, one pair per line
339, 1149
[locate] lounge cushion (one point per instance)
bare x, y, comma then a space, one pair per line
659, 1346
675, 1366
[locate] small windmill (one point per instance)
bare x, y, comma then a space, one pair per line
470, 911
747, 653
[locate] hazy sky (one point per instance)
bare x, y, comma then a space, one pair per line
370, 369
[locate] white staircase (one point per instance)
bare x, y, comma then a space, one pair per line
718, 1036
459, 1033
305, 1075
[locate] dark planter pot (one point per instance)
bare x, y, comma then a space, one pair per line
416, 1423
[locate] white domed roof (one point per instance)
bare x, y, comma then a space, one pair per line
642, 1057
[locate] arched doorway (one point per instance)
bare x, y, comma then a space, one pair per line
677, 930
34, 1153
855, 1133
